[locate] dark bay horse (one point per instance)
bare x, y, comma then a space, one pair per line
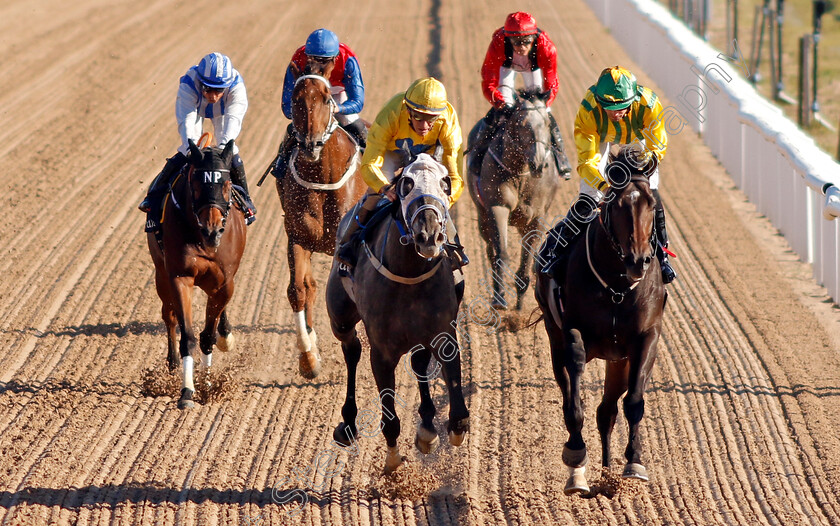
202, 243
321, 184
610, 307
404, 291
517, 182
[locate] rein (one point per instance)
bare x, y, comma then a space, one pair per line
351, 169
617, 297
406, 237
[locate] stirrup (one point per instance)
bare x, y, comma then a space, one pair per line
145, 206
668, 273
457, 256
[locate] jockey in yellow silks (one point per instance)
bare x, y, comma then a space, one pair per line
616, 110
415, 120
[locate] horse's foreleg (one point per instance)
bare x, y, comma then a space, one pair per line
215, 307
615, 385
498, 240
346, 432
426, 439
569, 359
167, 313
182, 286
530, 243
641, 365
309, 361
449, 355
228, 341
383, 373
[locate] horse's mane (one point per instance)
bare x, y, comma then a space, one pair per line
634, 158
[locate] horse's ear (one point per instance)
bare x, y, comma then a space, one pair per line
227, 153
405, 154
194, 150
438, 153
545, 95
404, 186
446, 185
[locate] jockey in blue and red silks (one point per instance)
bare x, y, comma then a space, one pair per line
213, 90
341, 68
518, 47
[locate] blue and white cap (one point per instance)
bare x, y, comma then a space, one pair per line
321, 43
216, 71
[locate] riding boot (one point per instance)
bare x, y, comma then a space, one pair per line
492, 122
283, 153
564, 168
454, 249
668, 273
237, 177
554, 252
348, 249
162, 181
358, 131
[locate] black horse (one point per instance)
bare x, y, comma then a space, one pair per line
404, 291
609, 306
515, 185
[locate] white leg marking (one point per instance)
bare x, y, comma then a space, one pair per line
188, 372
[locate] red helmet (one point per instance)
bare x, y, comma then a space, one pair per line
520, 24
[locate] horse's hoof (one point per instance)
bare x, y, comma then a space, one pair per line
576, 482
499, 305
309, 364
456, 439
186, 400
425, 440
393, 460
635, 471
344, 435
226, 343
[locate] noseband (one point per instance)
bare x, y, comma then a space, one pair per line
437, 205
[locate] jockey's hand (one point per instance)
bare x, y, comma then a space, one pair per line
389, 192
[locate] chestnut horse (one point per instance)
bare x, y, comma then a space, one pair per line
203, 238
609, 306
515, 184
321, 184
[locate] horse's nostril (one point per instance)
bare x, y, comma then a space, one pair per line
647, 260
440, 238
422, 237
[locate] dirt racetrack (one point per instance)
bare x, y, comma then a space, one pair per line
742, 410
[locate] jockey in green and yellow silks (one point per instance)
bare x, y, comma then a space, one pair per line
415, 120
616, 110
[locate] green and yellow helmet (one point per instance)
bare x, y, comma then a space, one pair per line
616, 88
426, 95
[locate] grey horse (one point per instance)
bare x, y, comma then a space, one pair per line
405, 292
515, 184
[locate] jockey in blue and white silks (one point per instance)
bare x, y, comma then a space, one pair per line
214, 90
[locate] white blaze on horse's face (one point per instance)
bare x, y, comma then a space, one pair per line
424, 206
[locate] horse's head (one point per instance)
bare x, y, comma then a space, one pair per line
210, 190
312, 114
423, 190
528, 131
629, 208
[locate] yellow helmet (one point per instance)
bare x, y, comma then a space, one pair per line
426, 95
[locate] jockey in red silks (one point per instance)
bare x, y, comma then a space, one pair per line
342, 70
213, 89
518, 47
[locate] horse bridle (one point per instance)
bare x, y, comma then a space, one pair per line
224, 208
604, 220
331, 125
